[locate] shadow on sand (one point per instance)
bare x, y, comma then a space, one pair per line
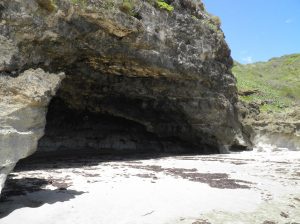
29, 192
44, 161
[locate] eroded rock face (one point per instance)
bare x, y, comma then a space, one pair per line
23, 106
271, 131
279, 131
166, 74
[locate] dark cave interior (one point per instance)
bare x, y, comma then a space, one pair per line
69, 132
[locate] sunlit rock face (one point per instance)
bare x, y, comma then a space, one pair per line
279, 132
139, 78
269, 132
23, 103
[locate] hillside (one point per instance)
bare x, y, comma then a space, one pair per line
274, 85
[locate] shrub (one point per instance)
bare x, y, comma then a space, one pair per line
163, 5
47, 5
127, 7
79, 2
216, 20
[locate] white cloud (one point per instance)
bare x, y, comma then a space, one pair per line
288, 21
247, 60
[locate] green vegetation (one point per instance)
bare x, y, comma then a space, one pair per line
210, 25
109, 4
275, 84
79, 2
216, 20
212, 22
163, 5
194, 17
48, 5
129, 7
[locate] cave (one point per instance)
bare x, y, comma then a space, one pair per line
96, 111
80, 80
158, 84
71, 132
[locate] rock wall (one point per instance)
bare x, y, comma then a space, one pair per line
23, 106
277, 131
271, 131
161, 76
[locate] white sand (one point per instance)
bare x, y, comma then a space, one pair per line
149, 192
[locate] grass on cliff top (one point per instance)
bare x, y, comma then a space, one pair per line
275, 84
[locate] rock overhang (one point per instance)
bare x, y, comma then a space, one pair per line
168, 73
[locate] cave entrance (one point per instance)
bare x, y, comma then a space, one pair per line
72, 132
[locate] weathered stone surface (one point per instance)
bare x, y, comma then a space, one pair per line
166, 73
271, 131
7, 50
23, 106
276, 131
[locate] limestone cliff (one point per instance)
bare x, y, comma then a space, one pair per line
23, 103
140, 75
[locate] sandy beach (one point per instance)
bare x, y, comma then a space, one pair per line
247, 187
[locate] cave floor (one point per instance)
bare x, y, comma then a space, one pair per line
247, 187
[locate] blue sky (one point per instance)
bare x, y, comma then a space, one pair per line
257, 30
